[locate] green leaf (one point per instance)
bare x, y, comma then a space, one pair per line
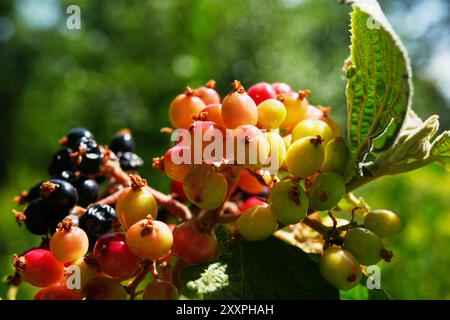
379, 294
358, 292
269, 269
361, 292
379, 90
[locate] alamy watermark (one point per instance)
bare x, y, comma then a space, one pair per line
73, 277
373, 277
73, 21
372, 24
246, 145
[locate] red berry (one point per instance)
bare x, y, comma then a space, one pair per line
160, 290
250, 202
58, 291
177, 189
192, 244
281, 88
103, 288
149, 239
114, 257
45, 244
207, 93
39, 267
261, 92
39, 294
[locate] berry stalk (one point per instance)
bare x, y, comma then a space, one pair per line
132, 286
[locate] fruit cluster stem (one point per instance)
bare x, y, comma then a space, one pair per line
315, 225
131, 288
172, 205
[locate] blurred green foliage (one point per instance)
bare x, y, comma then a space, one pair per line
132, 57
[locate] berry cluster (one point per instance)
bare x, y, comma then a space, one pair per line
313, 166
81, 228
257, 161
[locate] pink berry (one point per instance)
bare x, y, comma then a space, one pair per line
281, 88
261, 92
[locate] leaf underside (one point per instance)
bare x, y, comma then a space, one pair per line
379, 90
441, 150
441, 146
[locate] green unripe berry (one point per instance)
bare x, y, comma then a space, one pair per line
205, 187
336, 156
257, 223
340, 268
365, 245
349, 171
326, 191
288, 202
386, 224
313, 128
304, 157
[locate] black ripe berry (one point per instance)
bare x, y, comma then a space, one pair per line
122, 142
87, 145
36, 217
90, 156
57, 216
91, 163
129, 161
33, 193
61, 161
75, 135
68, 176
88, 190
59, 194
98, 219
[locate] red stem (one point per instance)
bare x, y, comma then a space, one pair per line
132, 286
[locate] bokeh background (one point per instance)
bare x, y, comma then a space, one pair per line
131, 57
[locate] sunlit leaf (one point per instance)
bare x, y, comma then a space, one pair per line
379, 91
